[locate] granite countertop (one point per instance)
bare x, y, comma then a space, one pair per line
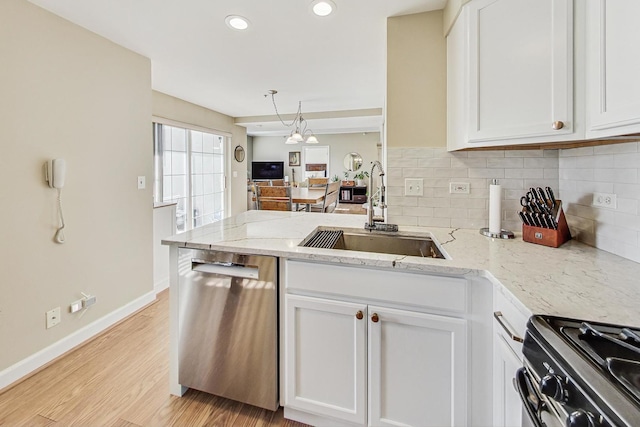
575, 280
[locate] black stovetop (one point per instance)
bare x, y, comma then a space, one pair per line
601, 360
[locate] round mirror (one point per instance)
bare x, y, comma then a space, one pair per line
238, 153
352, 161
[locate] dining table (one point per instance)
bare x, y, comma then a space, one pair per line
307, 196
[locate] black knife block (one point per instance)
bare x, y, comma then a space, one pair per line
548, 236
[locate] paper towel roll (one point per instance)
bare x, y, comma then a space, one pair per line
495, 208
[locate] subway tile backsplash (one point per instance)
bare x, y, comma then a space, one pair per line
611, 169
575, 174
516, 171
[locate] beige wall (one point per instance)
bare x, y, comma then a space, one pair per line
416, 81
68, 93
176, 109
267, 148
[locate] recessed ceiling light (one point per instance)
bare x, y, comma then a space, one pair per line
237, 22
323, 7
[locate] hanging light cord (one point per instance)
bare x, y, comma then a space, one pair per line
59, 237
295, 119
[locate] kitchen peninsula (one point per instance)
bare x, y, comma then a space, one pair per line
574, 280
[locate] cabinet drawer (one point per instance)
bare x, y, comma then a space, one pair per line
442, 293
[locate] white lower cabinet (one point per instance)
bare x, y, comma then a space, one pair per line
325, 357
372, 365
417, 368
507, 405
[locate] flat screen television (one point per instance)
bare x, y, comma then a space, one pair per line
267, 170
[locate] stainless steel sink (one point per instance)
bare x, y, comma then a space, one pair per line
354, 239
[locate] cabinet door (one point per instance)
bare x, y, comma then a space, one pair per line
417, 369
325, 357
613, 67
520, 61
507, 405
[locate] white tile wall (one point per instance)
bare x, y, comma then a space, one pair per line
604, 169
575, 174
517, 171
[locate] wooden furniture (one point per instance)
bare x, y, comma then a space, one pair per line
548, 236
318, 182
307, 196
278, 182
330, 198
353, 194
274, 198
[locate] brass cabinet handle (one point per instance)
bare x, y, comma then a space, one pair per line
558, 125
375, 318
498, 315
359, 315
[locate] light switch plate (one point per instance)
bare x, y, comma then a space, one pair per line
413, 187
142, 182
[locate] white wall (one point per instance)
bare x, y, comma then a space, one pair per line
516, 170
267, 148
69, 93
603, 169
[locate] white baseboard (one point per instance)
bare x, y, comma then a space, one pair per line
161, 285
26, 366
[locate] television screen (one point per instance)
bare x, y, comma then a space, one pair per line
267, 170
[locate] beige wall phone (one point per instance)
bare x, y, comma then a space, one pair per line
55, 173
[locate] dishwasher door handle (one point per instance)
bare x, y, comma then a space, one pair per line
233, 270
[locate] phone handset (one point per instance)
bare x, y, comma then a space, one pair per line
55, 173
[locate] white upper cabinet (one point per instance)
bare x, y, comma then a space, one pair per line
613, 67
518, 63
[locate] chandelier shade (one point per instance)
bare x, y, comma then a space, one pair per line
300, 132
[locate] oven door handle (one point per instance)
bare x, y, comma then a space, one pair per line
525, 388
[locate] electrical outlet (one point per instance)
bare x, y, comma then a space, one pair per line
605, 200
53, 317
459, 187
413, 187
75, 306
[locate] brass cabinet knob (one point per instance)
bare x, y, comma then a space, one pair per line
359, 315
558, 125
375, 318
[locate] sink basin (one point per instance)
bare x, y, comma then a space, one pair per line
354, 239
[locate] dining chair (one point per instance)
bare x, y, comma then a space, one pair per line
274, 198
317, 182
277, 182
330, 198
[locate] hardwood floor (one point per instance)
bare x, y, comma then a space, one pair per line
350, 208
121, 379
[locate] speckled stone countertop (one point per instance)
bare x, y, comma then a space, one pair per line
575, 280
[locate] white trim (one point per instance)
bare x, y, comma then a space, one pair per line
161, 285
28, 365
189, 126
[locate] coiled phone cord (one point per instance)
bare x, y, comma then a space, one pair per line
59, 237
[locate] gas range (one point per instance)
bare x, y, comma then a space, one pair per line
580, 373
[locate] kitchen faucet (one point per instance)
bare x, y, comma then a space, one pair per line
377, 223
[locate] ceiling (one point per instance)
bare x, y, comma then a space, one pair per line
331, 64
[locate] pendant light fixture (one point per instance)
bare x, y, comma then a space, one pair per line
300, 131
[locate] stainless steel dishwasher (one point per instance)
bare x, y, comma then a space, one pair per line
227, 322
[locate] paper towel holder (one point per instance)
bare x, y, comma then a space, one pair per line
503, 234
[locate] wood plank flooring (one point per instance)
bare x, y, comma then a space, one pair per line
121, 379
